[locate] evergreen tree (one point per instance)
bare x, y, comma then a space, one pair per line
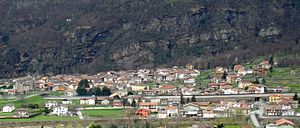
95, 91
81, 91
129, 93
133, 104
295, 96
182, 101
193, 98
271, 60
106, 91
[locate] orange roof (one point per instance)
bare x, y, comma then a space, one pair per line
167, 87
283, 121
171, 108
148, 103
276, 95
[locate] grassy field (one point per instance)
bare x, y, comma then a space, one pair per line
7, 113
232, 126
32, 100
111, 113
41, 118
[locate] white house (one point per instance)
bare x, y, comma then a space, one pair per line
50, 104
191, 110
189, 81
66, 101
8, 108
88, 101
60, 110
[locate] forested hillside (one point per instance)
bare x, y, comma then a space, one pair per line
88, 36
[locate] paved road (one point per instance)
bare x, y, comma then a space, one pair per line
197, 96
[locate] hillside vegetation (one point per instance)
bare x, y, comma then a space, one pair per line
63, 36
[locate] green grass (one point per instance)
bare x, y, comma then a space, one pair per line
284, 77
7, 113
41, 118
232, 126
111, 113
298, 109
32, 100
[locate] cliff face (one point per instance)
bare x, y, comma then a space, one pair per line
62, 36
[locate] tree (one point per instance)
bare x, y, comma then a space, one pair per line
133, 104
106, 91
92, 125
271, 60
95, 91
84, 83
81, 91
182, 101
271, 69
129, 93
295, 96
194, 98
187, 100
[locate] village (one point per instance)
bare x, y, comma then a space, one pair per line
161, 93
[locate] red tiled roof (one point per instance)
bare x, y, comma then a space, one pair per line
148, 103
167, 87
283, 121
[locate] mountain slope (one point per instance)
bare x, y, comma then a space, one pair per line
61, 36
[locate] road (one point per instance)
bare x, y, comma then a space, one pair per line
197, 96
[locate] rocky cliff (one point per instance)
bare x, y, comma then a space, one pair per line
87, 36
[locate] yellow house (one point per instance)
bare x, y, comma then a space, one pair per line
275, 98
138, 87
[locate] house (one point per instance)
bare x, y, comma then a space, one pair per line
168, 112
238, 67
273, 110
8, 108
149, 92
208, 113
152, 106
88, 101
117, 103
260, 71
138, 87
256, 88
189, 81
22, 113
281, 123
191, 110
219, 72
220, 111
50, 104
142, 112
167, 89
162, 113
60, 110
202, 105
105, 102
232, 79
244, 83
275, 98
216, 85
172, 111
66, 101
265, 64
